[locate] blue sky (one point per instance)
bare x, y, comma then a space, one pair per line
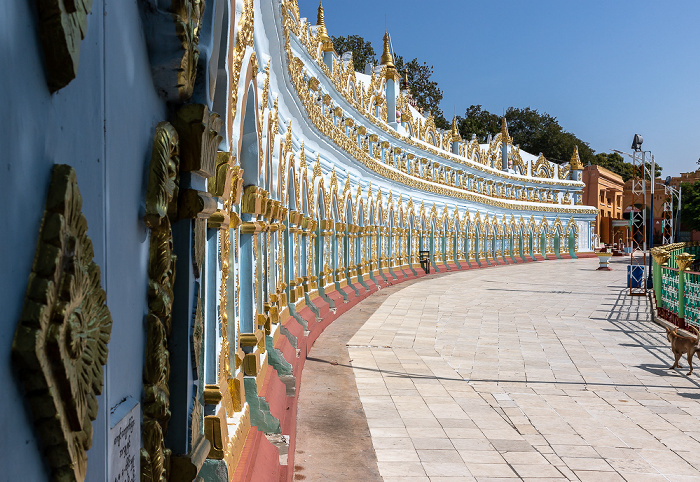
605, 69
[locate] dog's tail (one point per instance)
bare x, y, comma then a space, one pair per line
697, 333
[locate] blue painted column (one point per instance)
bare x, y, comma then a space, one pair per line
247, 299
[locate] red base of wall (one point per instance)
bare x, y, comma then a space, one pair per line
260, 459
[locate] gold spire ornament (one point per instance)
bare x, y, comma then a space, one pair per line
454, 135
576, 161
505, 138
406, 85
388, 59
326, 42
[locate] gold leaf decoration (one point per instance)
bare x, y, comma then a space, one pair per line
163, 176
173, 40
62, 26
60, 345
200, 136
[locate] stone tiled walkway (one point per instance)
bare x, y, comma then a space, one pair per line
538, 371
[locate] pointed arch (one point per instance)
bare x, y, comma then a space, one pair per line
249, 140
572, 237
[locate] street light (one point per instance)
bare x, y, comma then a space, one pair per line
637, 143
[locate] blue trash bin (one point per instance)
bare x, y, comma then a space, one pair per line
635, 276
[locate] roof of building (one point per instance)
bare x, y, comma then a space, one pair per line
605, 172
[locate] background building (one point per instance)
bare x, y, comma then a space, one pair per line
604, 191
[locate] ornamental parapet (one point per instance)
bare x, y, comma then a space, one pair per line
340, 88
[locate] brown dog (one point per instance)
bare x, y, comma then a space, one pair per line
683, 345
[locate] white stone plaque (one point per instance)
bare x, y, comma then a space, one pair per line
125, 441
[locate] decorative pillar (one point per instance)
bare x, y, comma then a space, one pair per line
505, 140
326, 42
576, 174
391, 82
455, 138
684, 261
660, 256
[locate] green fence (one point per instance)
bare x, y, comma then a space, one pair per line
676, 286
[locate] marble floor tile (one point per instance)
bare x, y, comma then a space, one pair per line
542, 371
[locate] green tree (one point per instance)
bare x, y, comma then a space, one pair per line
616, 163
537, 132
533, 131
690, 206
478, 121
362, 51
424, 90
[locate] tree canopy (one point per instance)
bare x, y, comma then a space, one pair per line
616, 163
424, 90
479, 122
690, 206
537, 132
362, 50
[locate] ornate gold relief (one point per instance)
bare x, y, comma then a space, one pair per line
221, 184
199, 138
163, 174
62, 26
173, 41
61, 341
253, 198
196, 204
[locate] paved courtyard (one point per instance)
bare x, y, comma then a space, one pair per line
540, 371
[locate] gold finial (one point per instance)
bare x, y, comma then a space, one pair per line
575, 161
406, 85
660, 255
504, 131
387, 59
317, 167
684, 261
346, 188
334, 180
326, 42
302, 156
454, 136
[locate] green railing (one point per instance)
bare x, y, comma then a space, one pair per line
676, 286
691, 297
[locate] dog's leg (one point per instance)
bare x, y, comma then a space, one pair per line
690, 361
676, 364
